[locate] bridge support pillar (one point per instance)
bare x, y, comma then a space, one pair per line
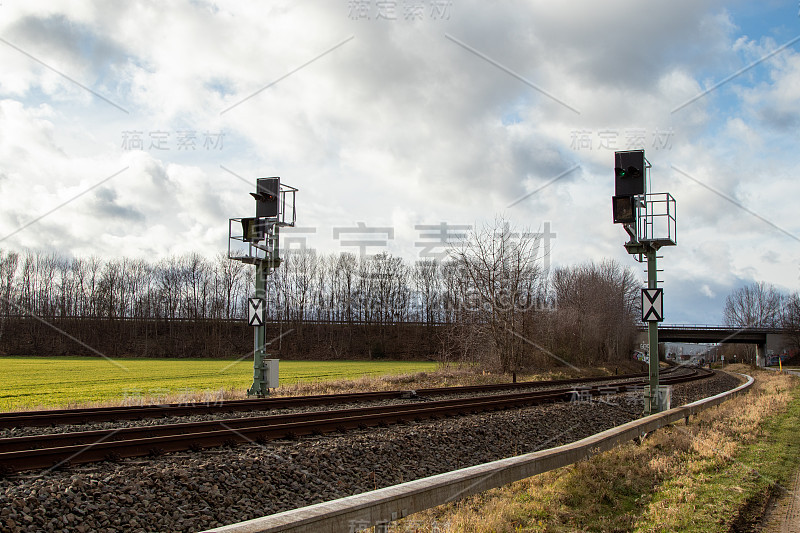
761, 355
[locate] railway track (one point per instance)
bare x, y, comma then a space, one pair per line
64, 449
139, 412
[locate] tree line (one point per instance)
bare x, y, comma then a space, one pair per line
306, 287
492, 300
761, 304
49, 285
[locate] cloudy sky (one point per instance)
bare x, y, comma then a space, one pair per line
138, 128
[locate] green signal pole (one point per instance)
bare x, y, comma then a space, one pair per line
261, 368
259, 387
652, 406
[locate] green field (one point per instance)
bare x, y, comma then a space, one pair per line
29, 382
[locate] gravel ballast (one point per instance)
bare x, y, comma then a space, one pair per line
195, 491
158, 421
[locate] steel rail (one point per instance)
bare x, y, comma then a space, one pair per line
21, 453
104, 414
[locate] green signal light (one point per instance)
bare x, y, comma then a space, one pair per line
630, 172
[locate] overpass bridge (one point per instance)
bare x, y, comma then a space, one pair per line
766, 339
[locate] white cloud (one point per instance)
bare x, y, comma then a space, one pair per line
399, 125
706, 290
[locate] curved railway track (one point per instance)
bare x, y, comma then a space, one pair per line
138, 412
64, 449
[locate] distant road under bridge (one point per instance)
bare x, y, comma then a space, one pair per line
766, 339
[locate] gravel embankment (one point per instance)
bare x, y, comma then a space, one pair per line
194, 491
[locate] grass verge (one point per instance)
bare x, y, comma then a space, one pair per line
42, 382
59, 382
714, 474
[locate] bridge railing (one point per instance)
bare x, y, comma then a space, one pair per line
714, 327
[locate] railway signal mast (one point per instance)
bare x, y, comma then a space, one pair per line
254, 240
649, 219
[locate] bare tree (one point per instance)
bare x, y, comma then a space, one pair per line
300, 269
91, 294
790, 318
28, 281
80, 272
196, 282
389, 295
169, 281
229, 280
138, 280
501, 268
364, 302
754, 305
596, 308
8, 270
344, 285
110, 288
428, 284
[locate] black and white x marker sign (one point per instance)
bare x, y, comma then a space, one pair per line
255, 311
652, 305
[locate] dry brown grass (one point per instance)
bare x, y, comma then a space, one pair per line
444, 377
452, 376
